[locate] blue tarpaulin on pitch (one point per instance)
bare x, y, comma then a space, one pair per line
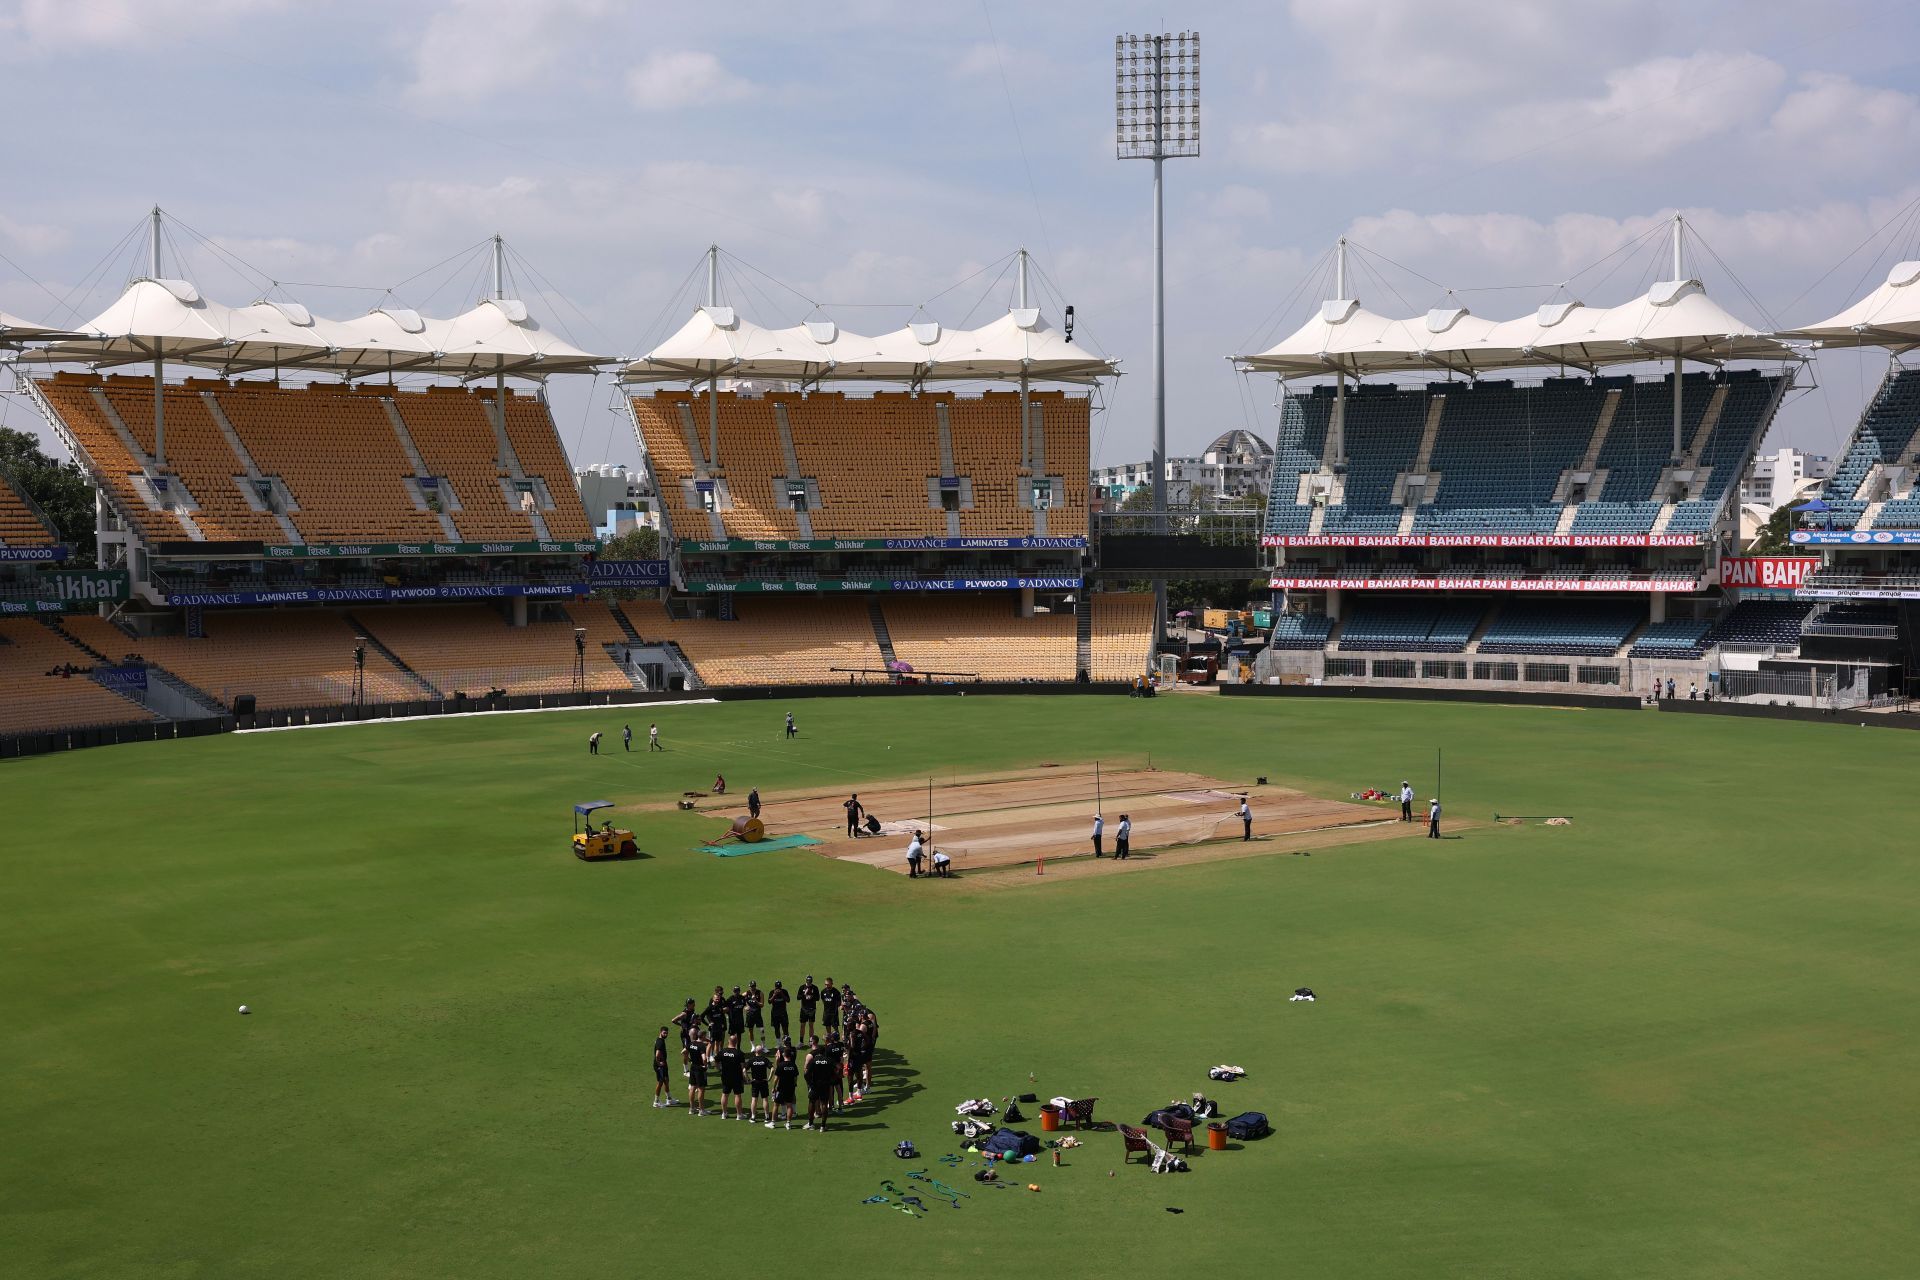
737, 849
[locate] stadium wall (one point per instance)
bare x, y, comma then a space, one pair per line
1394, 693
19, 745
1761, 711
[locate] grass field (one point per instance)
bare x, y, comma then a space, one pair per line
1677, 1038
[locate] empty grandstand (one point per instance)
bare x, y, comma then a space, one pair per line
47, 682
1575, 520
24, 531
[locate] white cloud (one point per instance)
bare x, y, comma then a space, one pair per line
1327, 146
46, 27
1415, 50
1236, 201
673, 79
30, 237
1835, 123
473, 50
1777, 252
1648, 110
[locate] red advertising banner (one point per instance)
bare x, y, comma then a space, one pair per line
1479, 540
1484, 584
1779, 572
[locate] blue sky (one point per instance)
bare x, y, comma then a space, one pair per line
877, 153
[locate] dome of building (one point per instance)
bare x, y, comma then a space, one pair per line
1238, 446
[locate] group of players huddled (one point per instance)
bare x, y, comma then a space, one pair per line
744, 1039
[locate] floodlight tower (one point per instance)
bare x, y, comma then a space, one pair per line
1156, 97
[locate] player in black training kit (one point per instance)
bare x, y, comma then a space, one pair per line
809, 997
662, 1091
754, 1002
686, 1020
715, 1016
819, 1086
830, 1005
737, 1013
733, 1078
836, 1051
777, 1009
695, 1058
758, 1065
785, 1072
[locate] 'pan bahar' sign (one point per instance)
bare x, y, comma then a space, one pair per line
1776, 572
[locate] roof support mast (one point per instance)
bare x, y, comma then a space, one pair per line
713, 376
1337, 452
159, 366
499, 292
1679, 226
1026, 420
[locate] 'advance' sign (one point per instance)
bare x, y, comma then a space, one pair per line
1778, 572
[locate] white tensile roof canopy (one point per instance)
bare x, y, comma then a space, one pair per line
1887, 317
169, 320
13, 329
1673, 320
716, 341
160, 320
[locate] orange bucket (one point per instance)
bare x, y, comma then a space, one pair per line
1049, 1118
1216, 1137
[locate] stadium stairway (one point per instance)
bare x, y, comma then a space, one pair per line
1487, 619
188, 690
53, 625
626, 623
374, 640
1083, 634
880, 634
191, 695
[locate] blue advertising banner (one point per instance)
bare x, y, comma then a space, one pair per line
767, 586
130, 679
340, 595
628, 573
57, 551
1856, 537
709, 546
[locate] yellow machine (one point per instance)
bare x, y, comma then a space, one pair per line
608, 841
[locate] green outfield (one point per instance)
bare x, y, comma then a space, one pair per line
1676, 1038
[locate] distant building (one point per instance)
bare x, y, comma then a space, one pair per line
1776, 480
1235, 464
617, 499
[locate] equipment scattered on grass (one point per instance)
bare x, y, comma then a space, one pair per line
590, 845
1011, 1144
1553, 819
1249, 1124
1228, 1073
244, 1009
1303, 993
905, 1151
